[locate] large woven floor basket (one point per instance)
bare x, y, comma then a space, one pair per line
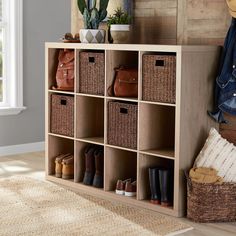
92, 72
122, 124
159, 78
62, 114
211, 202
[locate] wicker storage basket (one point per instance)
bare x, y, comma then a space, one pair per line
211, 202
159, 76
92, 72
62, 114
122, 124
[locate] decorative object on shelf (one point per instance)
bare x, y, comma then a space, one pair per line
125, 82
92, 18
69, 38
94, 160
65, 70
119, 26
161, 186
92, 72
62, 115
159, 78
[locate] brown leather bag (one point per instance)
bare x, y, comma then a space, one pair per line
125, 83
65, 70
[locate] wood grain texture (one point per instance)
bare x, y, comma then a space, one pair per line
172, 21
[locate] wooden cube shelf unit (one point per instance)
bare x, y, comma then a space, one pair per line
168, 134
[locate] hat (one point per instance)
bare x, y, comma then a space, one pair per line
232, 7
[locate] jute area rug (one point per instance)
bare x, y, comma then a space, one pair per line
32, 207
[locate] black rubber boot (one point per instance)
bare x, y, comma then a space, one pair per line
166, 186
154, 185
89, 165
99, 163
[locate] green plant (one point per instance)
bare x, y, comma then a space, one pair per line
91, 15
119, 17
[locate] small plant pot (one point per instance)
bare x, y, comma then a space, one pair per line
120, 33
92, 35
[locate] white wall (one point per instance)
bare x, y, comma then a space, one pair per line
44, 20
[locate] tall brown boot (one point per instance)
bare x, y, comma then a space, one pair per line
89, 165
99, 164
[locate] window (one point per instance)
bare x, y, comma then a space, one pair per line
11, 56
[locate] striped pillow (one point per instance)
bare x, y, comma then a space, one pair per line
219, 154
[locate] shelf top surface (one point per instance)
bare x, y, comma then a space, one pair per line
132, 47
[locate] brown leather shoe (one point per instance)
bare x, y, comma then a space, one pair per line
58, 164
68, 167
130, 189
120, 186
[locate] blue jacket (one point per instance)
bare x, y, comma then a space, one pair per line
225, 90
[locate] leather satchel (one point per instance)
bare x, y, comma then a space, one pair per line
65, 70
125, 83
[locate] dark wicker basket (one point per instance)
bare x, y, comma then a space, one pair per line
122, 124
62, 114
211, 202
159, 78
92, 72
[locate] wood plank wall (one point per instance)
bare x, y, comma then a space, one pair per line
176, 22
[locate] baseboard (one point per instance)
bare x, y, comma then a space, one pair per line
22, 148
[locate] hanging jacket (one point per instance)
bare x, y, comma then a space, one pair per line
225, 91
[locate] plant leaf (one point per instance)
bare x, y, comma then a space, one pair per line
103, 5
81, 5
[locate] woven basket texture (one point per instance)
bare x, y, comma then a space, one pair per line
62, 115
159, 78
211, 202
91, 72
122, 124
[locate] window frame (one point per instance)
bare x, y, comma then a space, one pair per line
12, 18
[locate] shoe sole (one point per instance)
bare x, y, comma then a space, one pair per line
130, 194
67, 176
58, 175
120, 192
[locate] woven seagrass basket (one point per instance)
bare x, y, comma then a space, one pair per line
122, 124
62, 115
159, 78
211, 202
91, 72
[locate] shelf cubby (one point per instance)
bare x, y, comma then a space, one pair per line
58, 145
157, 130
80, 160
119, 164
53, 54
90, 119
144, 163
115, 59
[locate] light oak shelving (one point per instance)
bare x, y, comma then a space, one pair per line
168, 134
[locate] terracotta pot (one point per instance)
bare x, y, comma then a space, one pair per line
120, 33
92, 35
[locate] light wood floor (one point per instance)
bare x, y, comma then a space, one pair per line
32, 164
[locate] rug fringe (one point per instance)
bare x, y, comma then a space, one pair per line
179, 232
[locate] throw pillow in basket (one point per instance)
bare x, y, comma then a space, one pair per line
219, 154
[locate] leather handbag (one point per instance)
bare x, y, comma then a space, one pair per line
125, 83
65, 70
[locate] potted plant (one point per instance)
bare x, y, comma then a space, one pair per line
92, 18
119, 26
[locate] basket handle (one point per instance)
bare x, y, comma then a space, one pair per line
189, 182
160, 63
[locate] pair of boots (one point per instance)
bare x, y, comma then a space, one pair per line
94, 161
64, 166
161, 185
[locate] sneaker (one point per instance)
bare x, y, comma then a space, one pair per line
120, 186
130, 189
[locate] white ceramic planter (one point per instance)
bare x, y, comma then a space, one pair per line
120, 33
92, 35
